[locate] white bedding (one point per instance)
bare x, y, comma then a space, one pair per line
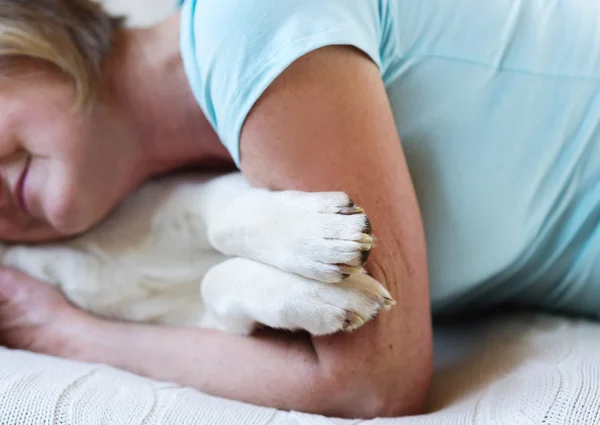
522, 369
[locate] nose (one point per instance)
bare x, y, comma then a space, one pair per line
5, 195
11, 168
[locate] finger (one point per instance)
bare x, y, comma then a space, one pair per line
9, 283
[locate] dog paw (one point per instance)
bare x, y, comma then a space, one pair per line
240, 293
323, 236
327, 309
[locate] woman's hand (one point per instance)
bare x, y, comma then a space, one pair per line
34, 315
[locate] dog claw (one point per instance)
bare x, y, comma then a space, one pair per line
349, 270
351, 210
353, 321
388, 303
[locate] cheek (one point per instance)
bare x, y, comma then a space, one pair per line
77, 180
60, 204
54, 195
75, 200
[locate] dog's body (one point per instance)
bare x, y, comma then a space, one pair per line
210, 251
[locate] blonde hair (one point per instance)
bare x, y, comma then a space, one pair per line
71, 35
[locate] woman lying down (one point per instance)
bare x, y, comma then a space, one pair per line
466, 130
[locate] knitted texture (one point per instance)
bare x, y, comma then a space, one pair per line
522, 369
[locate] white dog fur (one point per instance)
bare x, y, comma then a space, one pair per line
211, 251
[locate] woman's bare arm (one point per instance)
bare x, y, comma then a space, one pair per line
326, 124
270, 369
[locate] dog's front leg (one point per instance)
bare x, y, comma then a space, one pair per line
240, 294
322, 236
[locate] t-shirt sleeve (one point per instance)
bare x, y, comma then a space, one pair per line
233, 49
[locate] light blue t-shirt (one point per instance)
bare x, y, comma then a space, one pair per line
497, 105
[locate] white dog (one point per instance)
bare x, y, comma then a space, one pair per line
211, 251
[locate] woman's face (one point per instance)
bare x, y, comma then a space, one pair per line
60, 168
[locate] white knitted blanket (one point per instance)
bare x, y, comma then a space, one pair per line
523, 369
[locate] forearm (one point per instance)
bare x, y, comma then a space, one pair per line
268, 369
278, 370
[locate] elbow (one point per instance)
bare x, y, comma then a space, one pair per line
406, 401
405, 398
384, 369
399, 392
